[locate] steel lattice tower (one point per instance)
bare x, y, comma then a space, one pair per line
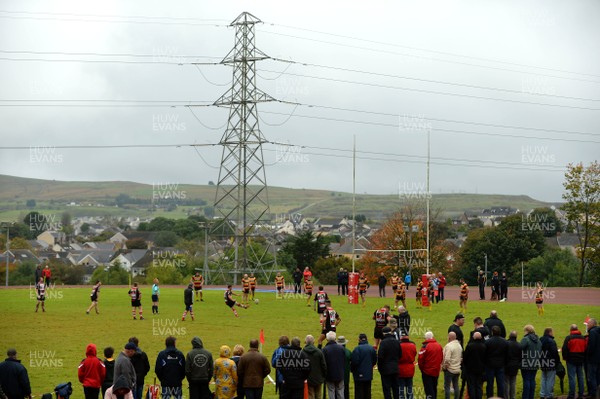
241, 199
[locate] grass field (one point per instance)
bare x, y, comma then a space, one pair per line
52, 344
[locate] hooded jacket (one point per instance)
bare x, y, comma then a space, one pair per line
318, 367
170, 367
531, 352
362, 360
141, 365
431, 356
14, 378
550, 356
124, 367
253, 368
121, 382
198, 363
91, 371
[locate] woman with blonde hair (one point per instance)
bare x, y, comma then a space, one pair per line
238, 351
225, 374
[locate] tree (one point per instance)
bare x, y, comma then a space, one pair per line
36, 223
166, 239
19, 243
136, 243
85, 228
326, 269
306, 248
113, 275
24, 274
67, 228
582, 208
556, 268
544, 220
161, 224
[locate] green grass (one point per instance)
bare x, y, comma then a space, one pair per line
57, 339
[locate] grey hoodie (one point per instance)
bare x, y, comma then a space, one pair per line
198, 363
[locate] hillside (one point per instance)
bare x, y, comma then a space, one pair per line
95, 199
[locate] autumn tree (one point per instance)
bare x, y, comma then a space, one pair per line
582, 207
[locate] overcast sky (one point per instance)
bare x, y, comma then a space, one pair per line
541, 57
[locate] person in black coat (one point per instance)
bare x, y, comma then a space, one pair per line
496, 352
550, 359
474, 366
14, 379
382, 282
513, 363
388, 357
295, 368
340, 281
480, 328
141, 366
481, 283
492, 321
170, 369
297, 277
593, 356
335, 358
503, 287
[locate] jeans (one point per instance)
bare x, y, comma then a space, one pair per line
528, 383
335, 390
430, 385
474, 386
548, 379
498, 374
362, 389
168, 392
510, 386
389, 382
451, 379
572, 370
441, 294
199, 390
593, 378
406, 388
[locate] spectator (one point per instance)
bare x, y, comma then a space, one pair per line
362, 361
451, 365
238, 351
388, 357
335, 358
513, 363
295, 367
109, 363
573, 352
481, 279
341, 340
550, 359
492, 321
403, 319
531, 349
593, 357
284, 342
503, 288
170, 369
297, 277
441, 286
430, 364
474, 363
124, 367
141, 366
318, 368
225, 374
340, 281
345, 282
496, 351
91, 373
199, 370
14, 379
480, 328
382, 282
119, 390
459, 321
406, 367
252, 370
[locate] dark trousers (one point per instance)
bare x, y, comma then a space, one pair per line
430, 385
340, 288
345, 289
362, 389
389, 382
382, 291
504, 293
441, 293
498, 374
291, 392
138, 391
253, 393
406, 388
481, 292
297, 289
91, 393
593, 378
199, 390
528, 383
474, 386
171, 392
105, 386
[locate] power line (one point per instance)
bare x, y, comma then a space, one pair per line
438, 92
95, 54
353, 38
428, 80
432, 59
38, 59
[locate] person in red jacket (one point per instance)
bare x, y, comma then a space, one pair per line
441, 286
573, 352
430, 364
91, 373
406, 367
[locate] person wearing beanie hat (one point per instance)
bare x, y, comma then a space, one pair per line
362, 361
